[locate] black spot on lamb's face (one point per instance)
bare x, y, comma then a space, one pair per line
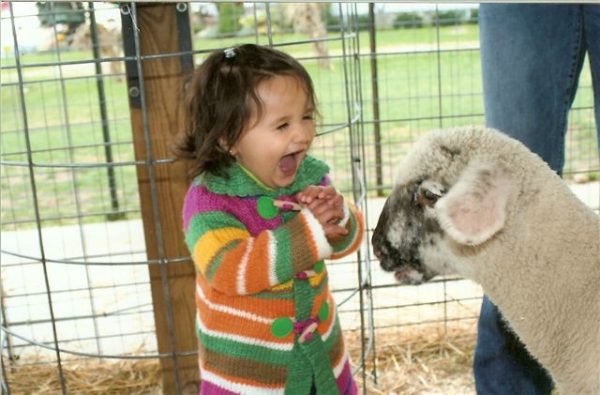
404, 233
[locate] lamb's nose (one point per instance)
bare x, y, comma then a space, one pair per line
376, 246
376, 253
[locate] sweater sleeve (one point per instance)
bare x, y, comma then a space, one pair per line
354, 222
236, 263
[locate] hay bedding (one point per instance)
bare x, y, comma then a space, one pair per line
87, 377
420, 360
415, 360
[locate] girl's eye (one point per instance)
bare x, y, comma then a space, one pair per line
308, 117
283, 126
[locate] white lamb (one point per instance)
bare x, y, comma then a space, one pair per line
475, 202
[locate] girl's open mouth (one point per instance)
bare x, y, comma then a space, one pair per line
289, 163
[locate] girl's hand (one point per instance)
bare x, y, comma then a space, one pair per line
329, 217
312, 192
328, 207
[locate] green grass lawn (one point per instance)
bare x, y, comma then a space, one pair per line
419, 89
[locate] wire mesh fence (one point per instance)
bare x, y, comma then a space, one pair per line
83, 169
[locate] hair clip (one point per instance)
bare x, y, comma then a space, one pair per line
229, 53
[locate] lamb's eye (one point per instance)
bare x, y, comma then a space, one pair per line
427, 198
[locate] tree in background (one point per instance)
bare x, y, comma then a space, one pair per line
309, 18
229, 17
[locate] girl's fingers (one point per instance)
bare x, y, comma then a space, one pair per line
336, 202
319, 207
326, 216
309, 194
333, 232
327, 192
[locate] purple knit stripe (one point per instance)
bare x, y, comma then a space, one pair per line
199, 199
189, 208
346, 382
208, 388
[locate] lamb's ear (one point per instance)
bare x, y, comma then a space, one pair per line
474, 209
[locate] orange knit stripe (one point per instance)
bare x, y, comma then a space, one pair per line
222, 321
225, 278
226, 323
324, 326
360, 228
318, 300
257, 276
259, 306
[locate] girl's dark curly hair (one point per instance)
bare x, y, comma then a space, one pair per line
221, 98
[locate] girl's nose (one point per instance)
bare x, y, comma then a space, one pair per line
304, 134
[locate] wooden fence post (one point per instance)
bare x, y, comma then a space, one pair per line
163, 85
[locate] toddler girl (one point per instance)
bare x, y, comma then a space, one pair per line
259, 218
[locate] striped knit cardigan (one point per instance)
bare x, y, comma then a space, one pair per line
266, 319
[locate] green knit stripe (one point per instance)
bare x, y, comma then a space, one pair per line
236, 367
315, 358
242, 350
300, 376
283, 258
286, 294
347, 241
207, 221
304, 297
239, 183
335, 335
316, 353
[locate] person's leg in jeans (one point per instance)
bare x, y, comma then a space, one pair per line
531, 57
591, 17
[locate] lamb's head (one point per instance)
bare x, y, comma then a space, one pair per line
405, 231
447, 201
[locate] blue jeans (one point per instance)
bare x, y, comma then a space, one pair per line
531, 56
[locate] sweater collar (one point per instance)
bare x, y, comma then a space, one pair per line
243, 183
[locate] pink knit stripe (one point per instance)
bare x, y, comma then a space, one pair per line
208, 388
199, 199
346, 382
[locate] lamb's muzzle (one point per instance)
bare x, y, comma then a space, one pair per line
392, 245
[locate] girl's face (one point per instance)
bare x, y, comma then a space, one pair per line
273, 146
